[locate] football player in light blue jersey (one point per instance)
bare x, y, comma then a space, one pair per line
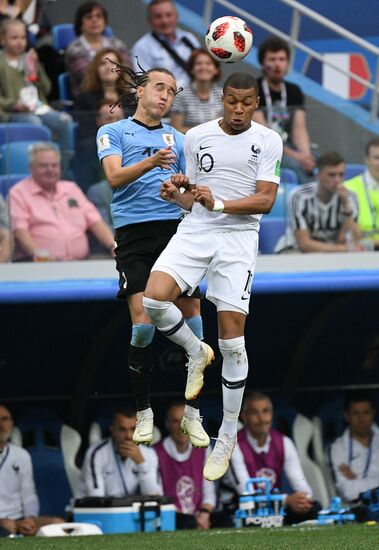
138, 154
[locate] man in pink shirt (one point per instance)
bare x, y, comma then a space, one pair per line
53, 215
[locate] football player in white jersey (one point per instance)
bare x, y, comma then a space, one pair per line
232, 177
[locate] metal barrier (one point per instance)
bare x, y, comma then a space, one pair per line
298, 11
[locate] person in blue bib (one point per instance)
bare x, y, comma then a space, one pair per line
138, 154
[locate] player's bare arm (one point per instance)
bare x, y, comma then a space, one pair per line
259, 203
118, 175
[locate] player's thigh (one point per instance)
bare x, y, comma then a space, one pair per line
231, 271
186, 258
135, 255
162, 286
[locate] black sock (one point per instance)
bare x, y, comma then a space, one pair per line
140, 361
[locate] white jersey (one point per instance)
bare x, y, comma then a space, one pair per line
363, 461
104, 473
18, 496
230, 165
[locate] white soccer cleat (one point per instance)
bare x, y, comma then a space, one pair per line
194, 429
218, 461
195, 371
143, 434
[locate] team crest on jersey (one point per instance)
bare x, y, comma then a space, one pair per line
168, 139
269, 474
255, 152
103, 143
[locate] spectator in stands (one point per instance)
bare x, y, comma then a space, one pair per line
322, 214
201, 100
13, 9
100, 89
19, 505
116, 466
355, 455
24, 87
282, 107
263, 451
366, 187
90, 21
54, 215
5, 236
166, 45
181, 470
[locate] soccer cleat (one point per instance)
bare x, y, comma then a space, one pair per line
195, 371
218, 461
143, 433
195, 431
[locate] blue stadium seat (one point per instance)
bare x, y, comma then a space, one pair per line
41, 436
288, 176
64, 87
352, 170
14, 157
7, 181
64, 33
20, 131
270, 231
280, 207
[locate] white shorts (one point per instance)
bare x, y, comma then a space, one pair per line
226, 258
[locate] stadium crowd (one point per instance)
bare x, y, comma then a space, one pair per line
59, 209
91, 93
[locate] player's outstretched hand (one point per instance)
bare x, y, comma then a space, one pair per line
168, 191
203, 195
164, 158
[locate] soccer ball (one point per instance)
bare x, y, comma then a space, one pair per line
229, 39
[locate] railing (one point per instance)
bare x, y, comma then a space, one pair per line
298, 11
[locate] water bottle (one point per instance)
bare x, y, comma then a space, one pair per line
349, 241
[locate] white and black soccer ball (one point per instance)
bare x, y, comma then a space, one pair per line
229, 39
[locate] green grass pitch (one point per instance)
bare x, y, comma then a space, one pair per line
345, 537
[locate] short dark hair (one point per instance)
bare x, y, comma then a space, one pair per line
240, 81
128, 412
358, 396
175, 403
154, 3
374, 142
84, 9
256, 396
202, 51
330, 158
272, 44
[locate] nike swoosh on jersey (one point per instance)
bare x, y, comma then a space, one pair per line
245, 297
204, 147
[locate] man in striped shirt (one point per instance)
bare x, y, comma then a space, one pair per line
322, 215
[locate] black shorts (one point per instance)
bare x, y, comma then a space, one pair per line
138, 247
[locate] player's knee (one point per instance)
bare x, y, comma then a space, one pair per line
142, 335
155, 309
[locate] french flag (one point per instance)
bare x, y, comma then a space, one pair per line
339, 83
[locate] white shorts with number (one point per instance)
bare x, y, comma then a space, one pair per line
227, 258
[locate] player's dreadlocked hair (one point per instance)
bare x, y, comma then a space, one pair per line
131, 79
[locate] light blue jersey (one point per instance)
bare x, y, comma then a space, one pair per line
133, 141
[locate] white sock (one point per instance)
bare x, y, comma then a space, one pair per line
191, 412
234, 373
169, 321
